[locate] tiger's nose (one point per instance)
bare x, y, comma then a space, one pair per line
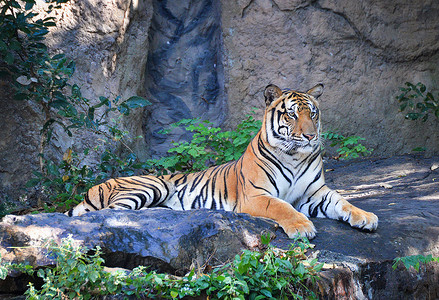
309, 136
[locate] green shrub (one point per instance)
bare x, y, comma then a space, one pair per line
348, 147
209, 146
6, 207
413, 261
272, 274
418, 102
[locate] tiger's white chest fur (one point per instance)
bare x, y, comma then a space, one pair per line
305, 179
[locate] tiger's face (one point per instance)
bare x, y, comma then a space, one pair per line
292, 119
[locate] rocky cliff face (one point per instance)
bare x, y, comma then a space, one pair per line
212, 60
361, 51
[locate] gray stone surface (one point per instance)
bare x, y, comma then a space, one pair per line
18, 150
402, 191
168, 241
362, 51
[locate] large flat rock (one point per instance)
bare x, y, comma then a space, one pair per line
402, 191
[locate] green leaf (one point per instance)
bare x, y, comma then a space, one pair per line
419, 149
3, 46
136, 101
59, 103
266, 293
58, 56
9, 58
174, 294
47, 124
29, 4
21, 96
91, 113
15, 4
94, 275
50, 24
33, 182
265, 238
15, 45
123, 108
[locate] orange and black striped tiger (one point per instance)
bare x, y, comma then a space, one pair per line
279, 176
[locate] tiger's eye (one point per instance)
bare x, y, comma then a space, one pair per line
292, 115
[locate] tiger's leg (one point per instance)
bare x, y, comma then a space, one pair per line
328, 203
293, 222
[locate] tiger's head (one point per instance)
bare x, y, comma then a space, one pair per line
292, 119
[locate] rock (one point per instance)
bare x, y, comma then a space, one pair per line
408, 225
362, 51
167, 240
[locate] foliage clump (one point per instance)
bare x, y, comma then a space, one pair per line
418, 102
38, 76
414, 261
348, 147
271, 274
209, 145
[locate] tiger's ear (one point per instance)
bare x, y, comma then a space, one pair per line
316, 91
271, 93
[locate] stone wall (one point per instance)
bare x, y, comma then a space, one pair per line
212, 59
362, 51
108, 40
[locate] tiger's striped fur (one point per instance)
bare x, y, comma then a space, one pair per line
279, 176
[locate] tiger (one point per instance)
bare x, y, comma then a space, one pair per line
279, 176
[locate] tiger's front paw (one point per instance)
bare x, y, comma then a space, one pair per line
363, 220
300, 228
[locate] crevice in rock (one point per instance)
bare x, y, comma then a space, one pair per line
351, 24
184, 72
387, 54
245, 8
119, 259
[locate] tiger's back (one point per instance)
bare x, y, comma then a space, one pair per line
279, 176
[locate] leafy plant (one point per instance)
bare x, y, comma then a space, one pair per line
348, 147
413, 261
209, 145
6, 207
6, 267
75, 275
418, 101
65, 182
272, 274
37, 75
